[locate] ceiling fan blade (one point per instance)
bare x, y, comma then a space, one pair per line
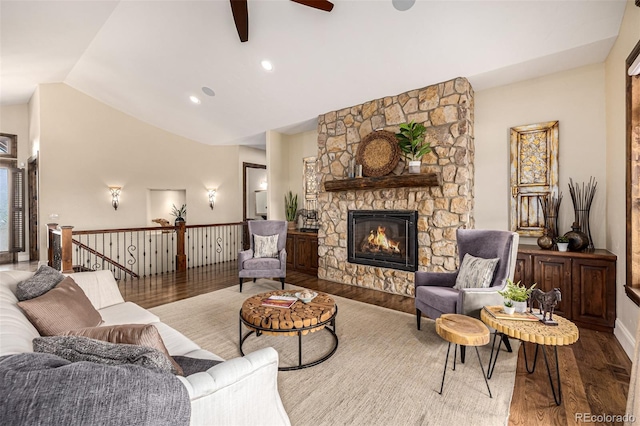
241, 18
317, 4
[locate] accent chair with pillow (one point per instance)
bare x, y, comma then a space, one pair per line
266, 256
487, 259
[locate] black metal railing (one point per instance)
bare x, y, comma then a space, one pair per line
141, 252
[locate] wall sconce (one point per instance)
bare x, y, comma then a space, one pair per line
115, 196
212, 198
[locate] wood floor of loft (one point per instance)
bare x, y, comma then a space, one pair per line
595, 370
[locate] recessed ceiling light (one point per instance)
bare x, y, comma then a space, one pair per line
208, 91
403, 5
267, 65
194, 99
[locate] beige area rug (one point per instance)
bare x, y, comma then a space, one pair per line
385, 371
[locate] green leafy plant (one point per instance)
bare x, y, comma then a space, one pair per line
516, 292
290, 206
179, 212
508, 303
411, 140
562, 239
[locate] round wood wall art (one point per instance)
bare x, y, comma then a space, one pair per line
378, 153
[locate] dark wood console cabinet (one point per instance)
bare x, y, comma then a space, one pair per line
586, 279
302, 252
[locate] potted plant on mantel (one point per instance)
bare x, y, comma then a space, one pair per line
290, 209
411, 139
516, 293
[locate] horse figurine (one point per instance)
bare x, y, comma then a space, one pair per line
546, 302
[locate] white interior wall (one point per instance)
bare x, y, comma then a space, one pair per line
627, 312
576, 98
160, 203
87, 146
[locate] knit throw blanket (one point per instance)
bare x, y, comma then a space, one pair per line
43, 389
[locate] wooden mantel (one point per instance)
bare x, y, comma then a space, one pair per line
402, 181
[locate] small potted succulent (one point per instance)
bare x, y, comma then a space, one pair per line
517, 294
508, 308
412, 144
562, 242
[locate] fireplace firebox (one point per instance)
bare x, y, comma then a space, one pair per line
386, 238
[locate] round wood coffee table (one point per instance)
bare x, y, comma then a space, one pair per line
300, 319
565, 333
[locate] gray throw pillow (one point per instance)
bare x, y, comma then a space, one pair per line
41, 282
265, 246
475, 272
79, 348
194, 365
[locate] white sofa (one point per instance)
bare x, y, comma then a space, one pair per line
240, 391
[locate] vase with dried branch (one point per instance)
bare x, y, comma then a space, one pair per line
550, 207
582, 197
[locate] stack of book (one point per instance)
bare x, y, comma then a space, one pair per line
498, 312
279, 301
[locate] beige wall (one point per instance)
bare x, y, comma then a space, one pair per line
299, 146
85, 146
277, 174
14, 119
34, 122
576, 98
627, 311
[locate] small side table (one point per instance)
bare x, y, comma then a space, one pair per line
462, 330
565, 333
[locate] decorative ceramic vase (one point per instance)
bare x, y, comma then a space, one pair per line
578, 240
545, 241
509, 310
562, 246
520, 307
178, 220
414, 167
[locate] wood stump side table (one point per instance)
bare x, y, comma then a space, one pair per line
462, 330
565, 333
300, 319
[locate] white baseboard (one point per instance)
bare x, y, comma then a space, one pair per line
625, 338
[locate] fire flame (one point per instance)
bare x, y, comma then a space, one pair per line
380, 240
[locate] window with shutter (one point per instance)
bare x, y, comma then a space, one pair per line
12, 200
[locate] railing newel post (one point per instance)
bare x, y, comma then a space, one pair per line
51, 244
67, 250
181, 257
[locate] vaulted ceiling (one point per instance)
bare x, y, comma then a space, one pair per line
146, 58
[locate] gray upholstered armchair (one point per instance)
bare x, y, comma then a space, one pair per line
435, 294
250, 266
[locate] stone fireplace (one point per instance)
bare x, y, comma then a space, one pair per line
386, 238
446, 109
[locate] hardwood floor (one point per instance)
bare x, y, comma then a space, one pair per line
595, 370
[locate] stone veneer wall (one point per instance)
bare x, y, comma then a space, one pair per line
446, 109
